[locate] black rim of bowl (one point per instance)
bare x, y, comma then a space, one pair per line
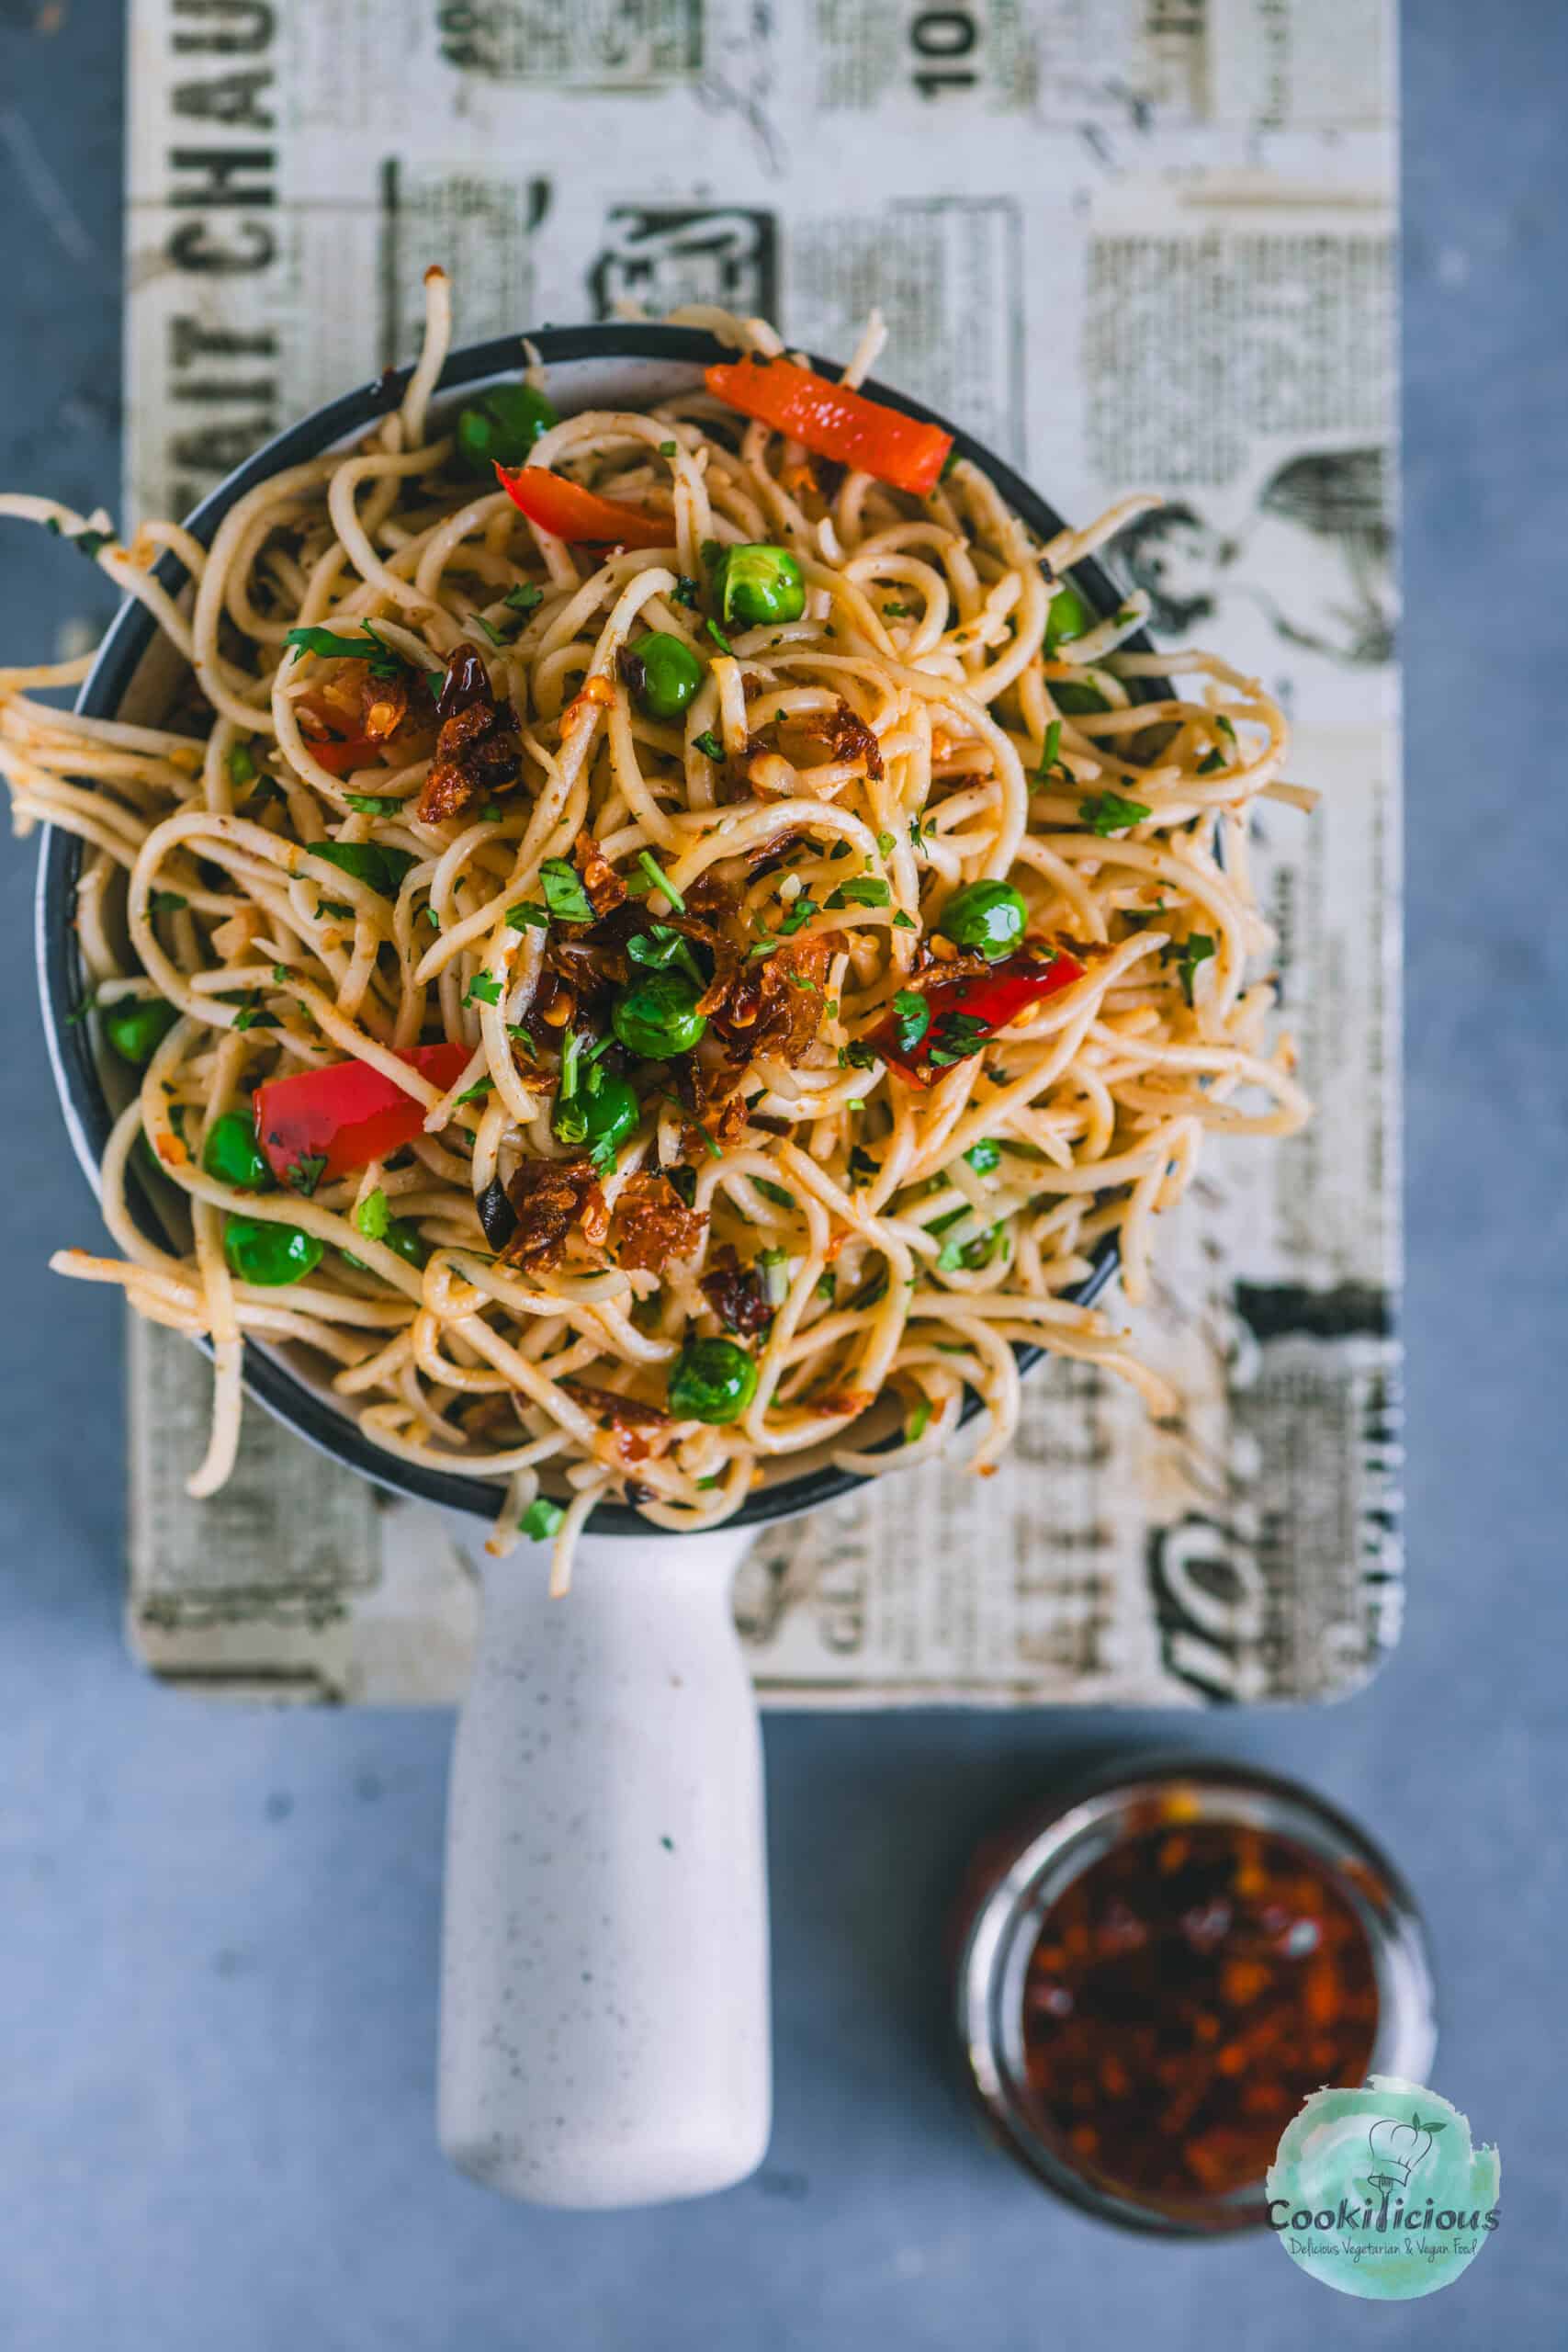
87, 1115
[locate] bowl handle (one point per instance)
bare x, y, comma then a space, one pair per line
605, 1965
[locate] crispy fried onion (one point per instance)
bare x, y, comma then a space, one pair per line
476, 752
639, 1429
845, 731
549, 1198
653, 1224
604, 887
735, 1294
772, 1005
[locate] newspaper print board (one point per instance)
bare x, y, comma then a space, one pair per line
1146, 243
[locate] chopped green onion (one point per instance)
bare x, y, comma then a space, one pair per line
660, 880
541, 1519
373, 1215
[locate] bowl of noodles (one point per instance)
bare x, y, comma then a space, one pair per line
631, 930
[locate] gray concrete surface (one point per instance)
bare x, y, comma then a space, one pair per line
218, 1930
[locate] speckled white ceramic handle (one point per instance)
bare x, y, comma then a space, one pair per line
604, 1973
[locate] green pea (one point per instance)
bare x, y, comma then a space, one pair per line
1074, 696
233, 1154
657, 1016
990, 916
671, 673
403, 1237
610, 1110
501, 427
138, 1027
759, 583
1068, 616
260, 1251
711, 1380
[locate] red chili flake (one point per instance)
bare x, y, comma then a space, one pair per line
1185, 1994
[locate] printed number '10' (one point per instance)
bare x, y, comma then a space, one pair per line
947, 33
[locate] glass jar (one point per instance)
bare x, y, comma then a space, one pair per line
1101, 1945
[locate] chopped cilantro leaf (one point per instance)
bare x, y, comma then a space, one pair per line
1106, 813
1187, 955
483, 989
862, 891
372, 862
305, 1173
708, 744
564, 893
328, 644
955, 1036
374, 804
911, 1019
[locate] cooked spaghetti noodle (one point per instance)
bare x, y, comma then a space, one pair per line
871, 1174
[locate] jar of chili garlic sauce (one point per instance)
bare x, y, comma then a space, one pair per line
1155, 1970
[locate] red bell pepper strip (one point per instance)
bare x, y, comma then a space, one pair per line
340, 755
347, 1113
582, 515
965, 1012
833, 420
